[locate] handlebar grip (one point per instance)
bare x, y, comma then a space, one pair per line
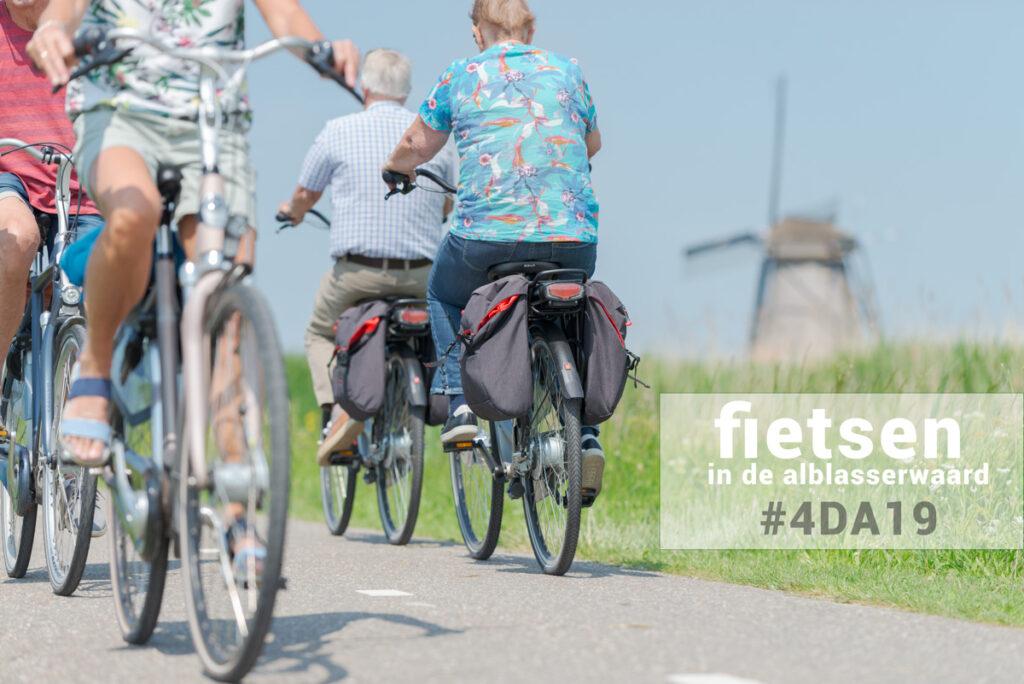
320, 56
87, 40
284, 218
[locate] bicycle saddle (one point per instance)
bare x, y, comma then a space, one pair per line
168, 182
527, 268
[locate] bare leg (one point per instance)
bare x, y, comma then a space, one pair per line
117, 275
19, 240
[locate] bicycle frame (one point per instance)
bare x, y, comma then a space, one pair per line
42, 323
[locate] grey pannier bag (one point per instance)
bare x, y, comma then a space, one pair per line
359, 375
604, 347
496, 377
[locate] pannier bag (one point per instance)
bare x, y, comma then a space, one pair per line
496, 377
359, 374
604, 347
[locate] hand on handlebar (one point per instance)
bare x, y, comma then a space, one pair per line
286, 214
53, 51
398, 182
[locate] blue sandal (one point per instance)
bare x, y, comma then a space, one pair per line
85, 428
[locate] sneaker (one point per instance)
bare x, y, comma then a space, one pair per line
99, 518
461, 426
593, 465
341, 434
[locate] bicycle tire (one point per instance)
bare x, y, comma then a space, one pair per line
337, 521
17, 540
480, 539
389, 472
567, 411
65, 576
234, 664
137, 583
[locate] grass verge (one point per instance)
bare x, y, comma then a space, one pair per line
623, 528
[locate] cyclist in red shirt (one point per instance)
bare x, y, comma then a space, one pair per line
29, 111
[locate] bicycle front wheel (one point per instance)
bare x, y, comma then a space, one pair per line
18, 531
233, 530
338, 495
400, 473
69, 492
552, 496
479, 500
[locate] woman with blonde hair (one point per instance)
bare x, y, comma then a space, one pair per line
525, 127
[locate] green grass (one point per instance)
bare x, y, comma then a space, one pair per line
623, 528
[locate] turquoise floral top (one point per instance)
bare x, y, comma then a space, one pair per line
519, 116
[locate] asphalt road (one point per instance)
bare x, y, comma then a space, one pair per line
361, 610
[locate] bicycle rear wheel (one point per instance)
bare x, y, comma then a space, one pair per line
400, 473
18, 531
338, 496
231, 590
552, 496
479, 500
69, 492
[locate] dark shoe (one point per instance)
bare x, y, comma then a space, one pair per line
461, 426
593, 466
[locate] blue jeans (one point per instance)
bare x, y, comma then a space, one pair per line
460, 267
10, 183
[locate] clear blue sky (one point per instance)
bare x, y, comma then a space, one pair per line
908, 114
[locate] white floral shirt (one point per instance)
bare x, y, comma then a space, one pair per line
148, 81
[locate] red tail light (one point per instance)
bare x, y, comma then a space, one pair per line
564, 292
413, 316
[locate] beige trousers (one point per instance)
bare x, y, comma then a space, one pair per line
342, 287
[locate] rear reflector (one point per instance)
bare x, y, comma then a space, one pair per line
565, 292
414, 316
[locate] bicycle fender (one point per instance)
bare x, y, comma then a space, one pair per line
414, 372
572, 385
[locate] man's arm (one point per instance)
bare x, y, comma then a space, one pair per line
51, 47
303, 199
289, 18
419, 144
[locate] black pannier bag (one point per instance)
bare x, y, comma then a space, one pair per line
604, 347
359, 375
496, 377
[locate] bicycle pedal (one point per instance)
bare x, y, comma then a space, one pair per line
370, 476
464, 445
516, 489
344, 458
588, 498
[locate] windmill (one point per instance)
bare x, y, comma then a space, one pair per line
810, 302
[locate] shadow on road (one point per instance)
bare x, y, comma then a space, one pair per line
372, 538
299, 643
580, 569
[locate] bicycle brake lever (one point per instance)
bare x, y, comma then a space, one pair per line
105, 58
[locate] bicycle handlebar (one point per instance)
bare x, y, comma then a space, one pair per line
102, 45
404, 185
287, 221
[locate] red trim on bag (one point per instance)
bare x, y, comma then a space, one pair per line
367, 327
612, 321
502, 306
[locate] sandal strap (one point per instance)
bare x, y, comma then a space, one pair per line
87, 429
90, 387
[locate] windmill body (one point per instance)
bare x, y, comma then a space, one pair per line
806, 308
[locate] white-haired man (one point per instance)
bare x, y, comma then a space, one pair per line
380, 249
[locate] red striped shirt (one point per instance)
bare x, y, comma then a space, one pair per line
29, 111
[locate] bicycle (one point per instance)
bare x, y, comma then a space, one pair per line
390, 449
175, 475
35, 382
537, 456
